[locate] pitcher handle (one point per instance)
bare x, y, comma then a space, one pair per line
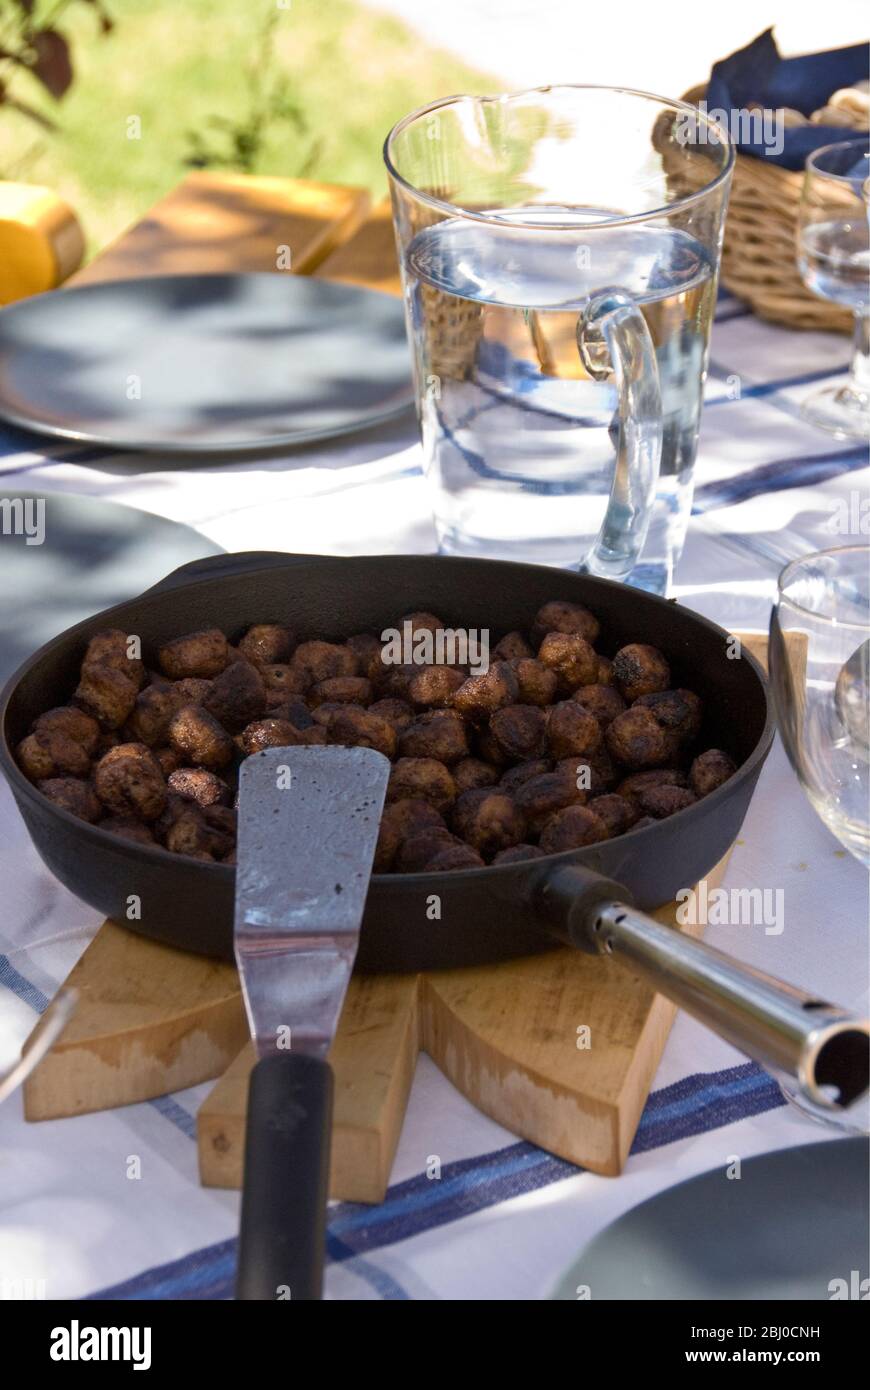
612, 335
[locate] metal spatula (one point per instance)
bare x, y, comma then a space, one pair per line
308, 825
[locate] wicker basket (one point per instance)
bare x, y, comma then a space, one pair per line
758, 258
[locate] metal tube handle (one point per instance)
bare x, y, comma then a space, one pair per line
822, 1046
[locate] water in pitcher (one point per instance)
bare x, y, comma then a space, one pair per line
518, 439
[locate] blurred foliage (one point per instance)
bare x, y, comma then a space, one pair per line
341, 74
35, 52
241, 143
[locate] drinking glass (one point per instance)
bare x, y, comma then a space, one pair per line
834, 262
820, 672
559, 252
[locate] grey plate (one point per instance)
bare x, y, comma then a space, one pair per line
94, 554
221, 363
793, 1222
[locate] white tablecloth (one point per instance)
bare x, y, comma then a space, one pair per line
504, 1218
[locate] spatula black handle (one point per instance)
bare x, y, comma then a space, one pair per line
283, 1225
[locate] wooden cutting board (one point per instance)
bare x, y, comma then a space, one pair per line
151, 1019
560, 1048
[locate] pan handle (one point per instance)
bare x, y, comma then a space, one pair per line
230, 564
282, 1234
823, 1047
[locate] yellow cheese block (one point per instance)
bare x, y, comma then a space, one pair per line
41, 242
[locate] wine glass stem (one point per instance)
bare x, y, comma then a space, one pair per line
859, 370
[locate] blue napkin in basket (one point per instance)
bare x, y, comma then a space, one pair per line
756, 76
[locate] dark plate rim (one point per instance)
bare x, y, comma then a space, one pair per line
363, 421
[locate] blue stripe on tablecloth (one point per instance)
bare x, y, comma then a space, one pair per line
766, 388
693, 1105
21, 987
779, 476
30, 994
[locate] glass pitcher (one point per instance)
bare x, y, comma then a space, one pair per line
559, 252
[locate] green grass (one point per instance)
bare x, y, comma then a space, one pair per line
177, 63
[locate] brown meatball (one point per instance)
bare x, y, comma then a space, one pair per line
520, 731
435, 686
73, 795
237, 696
341, 690
603, 701
283, 683
424, 779
321, 714
150, 717
485, 747
395, 682
636, 739
415, 851
367, 651
322, 661
454, 857
396, 712
540, 797
73, 723
420, 622
593, 773
106, 693
354, 727
618, 813
572, 730
605, 671
203, 654
639, 669
223, 818
515, 854
660, 802
572, 828
269, 733
657, 777
710, 770
315, 735
128, 779
561, 616
167, 758
199, 785
400, 820
189, 834
439, 734
469, 773
197, 737
512, 647
49, 753
537, 683
524, 772
267, 644
480, 696
296, 712
574, 661
111, 648
488, 820
129, 828
678, 711
192, 690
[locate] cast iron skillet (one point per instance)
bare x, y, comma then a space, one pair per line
486, 914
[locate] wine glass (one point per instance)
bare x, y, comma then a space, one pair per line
819, 661
834, 262
820, 671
